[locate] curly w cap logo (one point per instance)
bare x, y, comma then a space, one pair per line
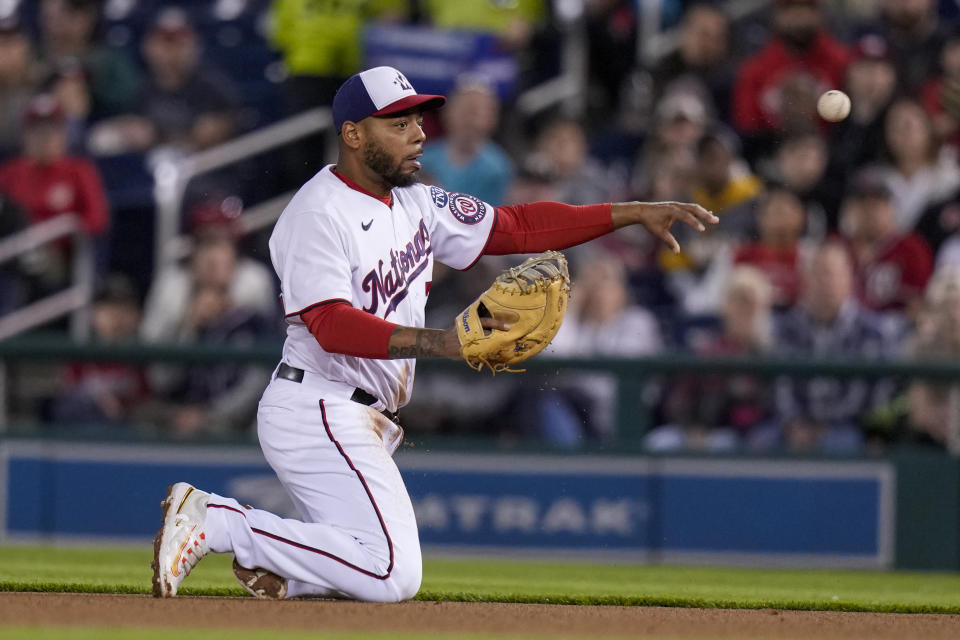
466, 208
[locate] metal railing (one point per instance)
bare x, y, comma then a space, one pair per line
172, 175
75, 299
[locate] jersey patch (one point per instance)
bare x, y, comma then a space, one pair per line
466, 208
439, 197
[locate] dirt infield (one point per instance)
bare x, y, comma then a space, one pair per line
34, 609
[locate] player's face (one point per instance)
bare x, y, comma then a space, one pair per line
392, 147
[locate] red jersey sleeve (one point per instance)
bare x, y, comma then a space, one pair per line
340, 328
541, 226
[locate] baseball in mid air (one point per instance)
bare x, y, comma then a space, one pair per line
833, 106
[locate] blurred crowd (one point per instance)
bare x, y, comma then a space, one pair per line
835, 239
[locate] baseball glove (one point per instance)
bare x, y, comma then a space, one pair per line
531, 298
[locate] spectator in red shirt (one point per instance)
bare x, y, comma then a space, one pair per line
47, 182
892, 267
777, 88
778, 252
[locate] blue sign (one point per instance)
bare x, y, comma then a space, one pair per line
763, 512
531, 510
433, 59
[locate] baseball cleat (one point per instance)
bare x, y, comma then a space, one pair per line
260, 583
181, 541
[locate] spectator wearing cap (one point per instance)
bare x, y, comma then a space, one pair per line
19, 77
184, 104
892, 267
45, 181
919, 170
216, 260
913, 29
703, 53
776, 89
105, 393
681, 119
467, 159
107, 82
871, 84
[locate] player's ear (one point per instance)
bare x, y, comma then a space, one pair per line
350, 133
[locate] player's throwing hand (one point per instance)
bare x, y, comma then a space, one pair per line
658, 217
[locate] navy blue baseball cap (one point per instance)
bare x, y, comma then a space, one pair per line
380, 91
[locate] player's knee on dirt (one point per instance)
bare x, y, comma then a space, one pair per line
409, 583
404, 582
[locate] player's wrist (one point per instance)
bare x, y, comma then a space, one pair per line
411, 342
623, 214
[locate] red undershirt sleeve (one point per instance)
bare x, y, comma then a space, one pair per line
540, 226
340, 328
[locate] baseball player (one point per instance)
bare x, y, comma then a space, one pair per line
354, 251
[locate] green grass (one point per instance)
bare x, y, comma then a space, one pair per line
487, 580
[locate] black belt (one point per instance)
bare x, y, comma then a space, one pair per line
294, 374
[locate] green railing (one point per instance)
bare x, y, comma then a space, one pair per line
630, 373
58, 348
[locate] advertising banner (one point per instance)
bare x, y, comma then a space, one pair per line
653, 510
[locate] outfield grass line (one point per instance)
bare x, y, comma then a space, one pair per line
127, 571
610, 601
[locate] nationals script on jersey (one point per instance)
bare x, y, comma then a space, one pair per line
335, 243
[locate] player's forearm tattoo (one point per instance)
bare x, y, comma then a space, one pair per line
417, 343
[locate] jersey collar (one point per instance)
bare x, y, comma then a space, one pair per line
388, 200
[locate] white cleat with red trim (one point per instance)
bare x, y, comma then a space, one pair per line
181, 541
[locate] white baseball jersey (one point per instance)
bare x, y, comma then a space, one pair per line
336, 243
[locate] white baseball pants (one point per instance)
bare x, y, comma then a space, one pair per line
358, 536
